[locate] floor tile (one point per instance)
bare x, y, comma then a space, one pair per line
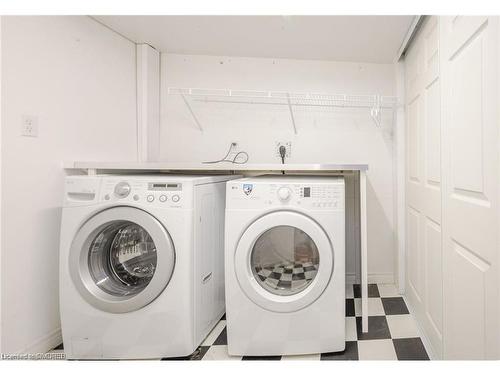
402, 326
219, 353
377, 328
349, 307
222, 339
394, 306
212, 336
388, 290
350, 353
350, 329
375, 307
372, 290
196, 356
264, 358
304, 357
349, 293
199, 353
410, 349
376, 350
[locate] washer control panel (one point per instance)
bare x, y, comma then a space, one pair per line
160, 193
317, 196
311, 196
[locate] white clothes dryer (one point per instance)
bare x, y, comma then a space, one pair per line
285, 265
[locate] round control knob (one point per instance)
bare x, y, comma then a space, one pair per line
284, 193
150, 198
122, 189
163, 198
175, 198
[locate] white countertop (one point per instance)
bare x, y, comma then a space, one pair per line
167, 166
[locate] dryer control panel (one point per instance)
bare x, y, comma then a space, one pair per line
312, 196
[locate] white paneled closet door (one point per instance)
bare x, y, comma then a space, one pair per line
470, 155
424, 276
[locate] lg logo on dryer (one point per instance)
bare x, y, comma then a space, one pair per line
247, 188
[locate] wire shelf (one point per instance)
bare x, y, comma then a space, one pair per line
376, 103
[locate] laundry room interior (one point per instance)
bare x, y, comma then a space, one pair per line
266, 187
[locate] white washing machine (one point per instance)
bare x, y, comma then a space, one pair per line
285, 265
141, 264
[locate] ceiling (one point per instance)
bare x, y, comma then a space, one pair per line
374, 39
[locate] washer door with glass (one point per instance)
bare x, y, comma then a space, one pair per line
121, 259
284, 261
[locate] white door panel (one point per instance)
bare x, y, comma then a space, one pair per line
423, 187
433, 275
459, 29
414, 140
414, 256
433, 136
466, 301
470, 199
431, 45
466, 99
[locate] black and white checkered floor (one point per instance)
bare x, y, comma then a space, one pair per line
392, 333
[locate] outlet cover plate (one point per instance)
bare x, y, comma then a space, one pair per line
29, 126
288, 146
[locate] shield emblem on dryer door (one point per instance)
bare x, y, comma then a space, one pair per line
247, 188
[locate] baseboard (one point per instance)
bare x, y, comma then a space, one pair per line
373, 278
44, 344
350, 278
380, 278
427, 344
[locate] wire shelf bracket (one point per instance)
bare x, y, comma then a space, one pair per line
376, 113
190, 109
291, 114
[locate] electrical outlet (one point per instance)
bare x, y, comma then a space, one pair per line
29, 126
288, 146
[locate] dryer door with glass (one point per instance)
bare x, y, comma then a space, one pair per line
284, 261
121, 259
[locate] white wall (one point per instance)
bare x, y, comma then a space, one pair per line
323, 135
78, 78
